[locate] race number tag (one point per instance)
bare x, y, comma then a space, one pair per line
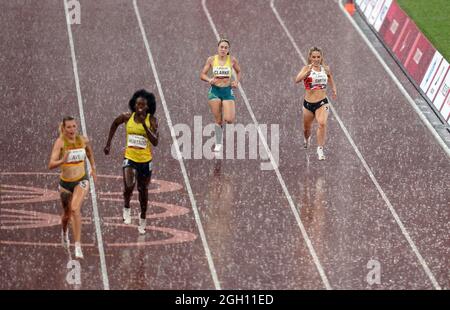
84, 184
222, 71
137, 141
76, 155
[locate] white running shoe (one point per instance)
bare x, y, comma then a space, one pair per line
320, 153
142, 224
78, 252
306, 142
65, 241
218, 148
126, 215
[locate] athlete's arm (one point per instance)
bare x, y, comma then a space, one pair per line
56, 153
152, 132
237, 68
122, 118
204, 74
90, 156
331, 82
304, 72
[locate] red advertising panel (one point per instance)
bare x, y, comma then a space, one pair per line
419, 58
393, 25
408, 36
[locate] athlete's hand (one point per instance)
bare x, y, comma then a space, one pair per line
234, 84
94, 175
212, 81
153, 123
144, 124
107, 149
141, 118
65, 156
334, 94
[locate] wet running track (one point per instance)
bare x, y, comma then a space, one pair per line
378, 204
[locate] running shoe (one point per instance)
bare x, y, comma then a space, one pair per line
65, 239
142, 224
218, 148
126, 215
320, 153
306, 142
78, 252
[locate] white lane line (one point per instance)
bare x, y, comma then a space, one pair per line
277, 171
179, 156
397, 82
425, 121
98, 231
366, 166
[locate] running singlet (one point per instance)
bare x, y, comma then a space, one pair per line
138, 146
221, 71
76, 150
316, 80
76, 157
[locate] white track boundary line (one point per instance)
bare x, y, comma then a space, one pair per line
179, 156
98, 231
277, 171
366, 166
397, 82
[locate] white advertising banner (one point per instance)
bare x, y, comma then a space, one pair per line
442, 93
446, 109
363, 5
383, 12
375, 12
431, 71
437, 80
369, 8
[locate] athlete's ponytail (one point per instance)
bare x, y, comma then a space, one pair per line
60, 129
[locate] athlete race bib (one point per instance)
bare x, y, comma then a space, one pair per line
318, 80
76, 155
221, 71
137, 141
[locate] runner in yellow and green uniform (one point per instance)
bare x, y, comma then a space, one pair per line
69, 153
142, 132
220, 96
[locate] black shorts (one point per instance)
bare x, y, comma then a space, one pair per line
70, 186
142, 169
314, 106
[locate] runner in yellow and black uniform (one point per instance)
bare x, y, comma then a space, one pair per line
69, 152
220, 95
142, 132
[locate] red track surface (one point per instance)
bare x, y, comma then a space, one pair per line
253, 237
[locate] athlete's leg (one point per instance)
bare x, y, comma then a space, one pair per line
129, 174
66, 197
322, 117
229, 111
216, 109
79, 193
142, 185
308, 118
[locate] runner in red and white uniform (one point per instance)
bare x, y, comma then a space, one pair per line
315, 76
